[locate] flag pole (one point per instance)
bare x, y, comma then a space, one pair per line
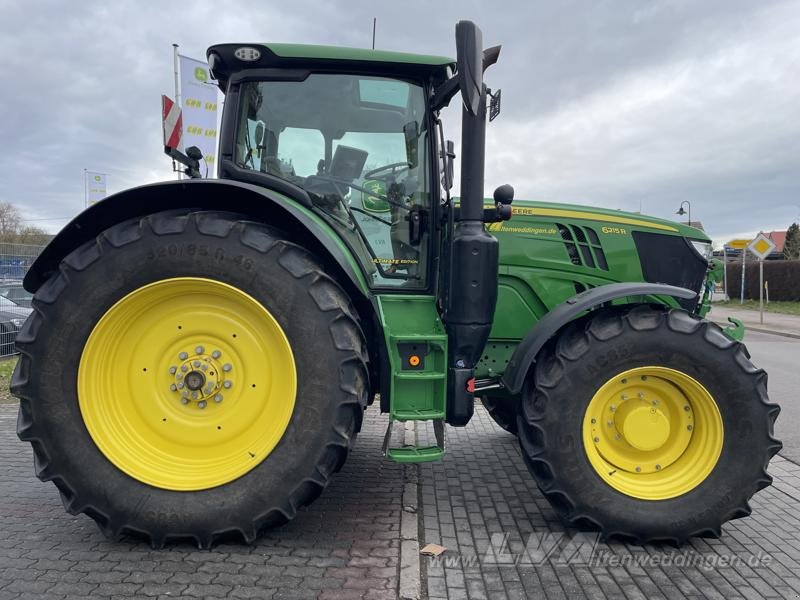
177, 84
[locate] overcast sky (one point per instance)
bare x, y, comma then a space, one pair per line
624, 104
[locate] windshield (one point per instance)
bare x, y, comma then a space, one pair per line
358, 146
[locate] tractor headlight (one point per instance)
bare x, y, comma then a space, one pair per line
704, 249
17, 322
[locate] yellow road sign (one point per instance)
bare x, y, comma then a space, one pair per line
738, 244
762, 246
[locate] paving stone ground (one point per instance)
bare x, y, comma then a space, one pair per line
481, 504
347, 545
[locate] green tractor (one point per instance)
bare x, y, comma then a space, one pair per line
202, 351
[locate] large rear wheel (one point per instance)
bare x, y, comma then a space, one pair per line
190, 375
647, 424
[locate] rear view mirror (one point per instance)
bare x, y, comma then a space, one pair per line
469, 56
448, 154
411, 135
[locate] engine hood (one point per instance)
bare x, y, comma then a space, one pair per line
611, 218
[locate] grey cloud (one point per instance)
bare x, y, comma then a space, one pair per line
606, 103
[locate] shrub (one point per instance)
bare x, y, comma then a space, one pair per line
783, 277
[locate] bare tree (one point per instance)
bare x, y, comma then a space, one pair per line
13, 230
10, 221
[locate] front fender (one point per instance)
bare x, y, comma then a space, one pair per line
255, 202
525, 354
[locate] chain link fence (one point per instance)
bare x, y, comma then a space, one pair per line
15, 302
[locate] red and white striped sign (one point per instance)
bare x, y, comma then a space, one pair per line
172, 122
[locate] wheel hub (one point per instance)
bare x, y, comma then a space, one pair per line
200, 378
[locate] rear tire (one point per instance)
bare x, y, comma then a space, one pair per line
314, 313
568, 377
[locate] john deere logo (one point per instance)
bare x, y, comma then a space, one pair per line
200, 74
97, 178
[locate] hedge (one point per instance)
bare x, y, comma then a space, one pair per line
783, 277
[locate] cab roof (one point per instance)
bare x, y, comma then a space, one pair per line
224, 62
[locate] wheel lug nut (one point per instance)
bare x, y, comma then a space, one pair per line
638, 469
640, 395
686, 408
596, 440
227, 367
199, 350
172, 370
204, 367
201, 404
655, 402
218, 398
173, 387
610, 423
196, 363
185, 395
180, 385
228, 384
184, 401
613, 408
194, 395
658, 467
689, 427
216, 354
184, 368
183, 356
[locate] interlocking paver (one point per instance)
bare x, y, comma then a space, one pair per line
481, 497
346, 545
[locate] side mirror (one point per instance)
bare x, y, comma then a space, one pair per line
469, 57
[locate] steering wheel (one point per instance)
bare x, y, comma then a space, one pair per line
395, 167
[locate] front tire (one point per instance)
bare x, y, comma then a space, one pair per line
647, 424
503, 411
116, 334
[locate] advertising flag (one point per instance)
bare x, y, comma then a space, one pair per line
199, 110
95, 187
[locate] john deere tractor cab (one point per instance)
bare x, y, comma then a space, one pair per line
201, 352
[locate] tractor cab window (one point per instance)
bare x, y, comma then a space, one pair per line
358, 146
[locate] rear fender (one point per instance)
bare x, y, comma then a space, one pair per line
254, 202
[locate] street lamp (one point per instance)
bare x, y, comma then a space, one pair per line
682, 212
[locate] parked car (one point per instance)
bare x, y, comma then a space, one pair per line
12, 316
14, 291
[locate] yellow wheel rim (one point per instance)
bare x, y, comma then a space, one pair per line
187, 384
653, 433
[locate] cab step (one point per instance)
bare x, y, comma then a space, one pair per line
410, 453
